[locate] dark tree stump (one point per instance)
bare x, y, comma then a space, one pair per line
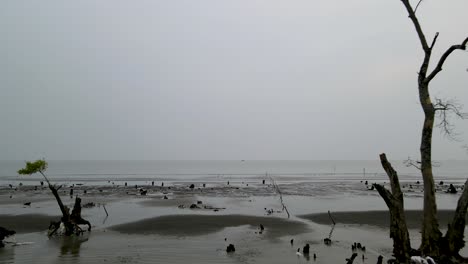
306, 249
75, 216
351, 260
5, 233
230, 248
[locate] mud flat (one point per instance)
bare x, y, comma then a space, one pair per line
377, 218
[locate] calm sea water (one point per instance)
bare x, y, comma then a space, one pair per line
98, 171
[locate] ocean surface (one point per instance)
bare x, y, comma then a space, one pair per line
141, 171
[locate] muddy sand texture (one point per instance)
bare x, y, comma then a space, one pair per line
193, 225
27, 223
379, 219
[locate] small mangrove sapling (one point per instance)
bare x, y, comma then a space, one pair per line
69, 221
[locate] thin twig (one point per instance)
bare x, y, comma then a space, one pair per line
434, 40
416, 8
409, 162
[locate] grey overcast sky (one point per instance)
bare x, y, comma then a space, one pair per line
211, 79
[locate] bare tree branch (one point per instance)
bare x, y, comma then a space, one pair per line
444, 110
393, 176
385, 194
434, 40
444, 57
416, 24
412, 163
416, 8
417, 164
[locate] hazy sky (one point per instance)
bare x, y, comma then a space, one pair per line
242, 79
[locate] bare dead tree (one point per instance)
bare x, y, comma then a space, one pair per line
394, 200
433, 243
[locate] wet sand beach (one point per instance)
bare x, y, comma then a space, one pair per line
27, 223
192, 225
377, 218
160, 227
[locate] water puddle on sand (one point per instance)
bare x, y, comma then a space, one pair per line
113, 247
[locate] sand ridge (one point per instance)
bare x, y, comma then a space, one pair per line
192, 225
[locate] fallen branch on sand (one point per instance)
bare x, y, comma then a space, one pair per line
327, 241
281, 196
105, 209
333, 221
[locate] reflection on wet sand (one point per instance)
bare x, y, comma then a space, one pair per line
71, 245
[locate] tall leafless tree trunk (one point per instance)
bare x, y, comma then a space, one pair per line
432, 241
430, 228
